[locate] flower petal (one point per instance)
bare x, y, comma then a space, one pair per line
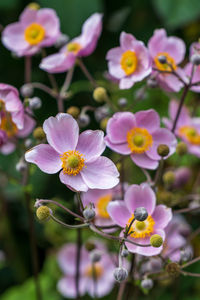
45, 157
57, 63
76, 183
121, 148
162, 216
148, 119
119, 212
143, 161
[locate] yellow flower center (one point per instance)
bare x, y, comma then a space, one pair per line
72, 162
139, 140
190, 134
73, 47
8, 125
129, 62
141, 229
34, 34
167, 66
95, 270
102, 206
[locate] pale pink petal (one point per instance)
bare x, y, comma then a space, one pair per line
126, 41
121, 148
148, 119
119, 213
75, 183
143, 161
162, 215
57, 63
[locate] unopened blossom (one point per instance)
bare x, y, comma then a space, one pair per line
101, 199
80, 46
193, 71
130, 62
173, 50
122, 213
77, 156
187, 127
176, 238
36, 29
14, 121
103, 272
139, 136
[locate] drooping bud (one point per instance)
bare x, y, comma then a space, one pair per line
195, 59
186, 254
169, 178
124, 253
122, 102
181, 148
89, 213
101, 112
120, 274
28, 143
74, 111
162, 59
156, 240
35, 103
100, 94
163, 150
83, 120
147, 283
95, 255
21, 166
140, 214
39, 133
26, 90
43, 213
173, 269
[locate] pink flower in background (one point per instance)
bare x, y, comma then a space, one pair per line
182, 176
122, 213
176, 238
80, 46
194, 49
188, 128
173, 49
130, 62
101, 199
14, 122
139, 135
103, 272
34, 30
79, 156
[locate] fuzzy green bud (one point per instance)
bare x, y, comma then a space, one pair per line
103, 123
181, 148
74, 111
90, 246
100, 94
43, 213
169, 178
173, 269
163, 150
156, 241
39, 133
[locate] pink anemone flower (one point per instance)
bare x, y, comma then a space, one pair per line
14, 122
101, 199
173, 49
78, 156
103, 272
187, 128
139, 135
195, 73
130, 62
122, 213
36, 29
80, 46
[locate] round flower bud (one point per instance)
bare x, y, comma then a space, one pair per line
140, 214
124, 253
83, 120
74, 111
35, 103
33, 5
28, 143
173, 269
89, 213
163, 150
169, 178
162, 59
95, 255
26, 90
43, 213
39, 133
21, 166
103, 123
101, 112
147, 283
90, 246
122, 102
100, 94
120, 274
195, 59
156, 240
181, 148
61, 41
186, 254
152, 83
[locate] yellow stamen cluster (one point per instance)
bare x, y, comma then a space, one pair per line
169, 66
129, 62
34, 34
8, 125
139, 140
95, 270
72, 162
141, 229
102, 206
190, 134
73, 47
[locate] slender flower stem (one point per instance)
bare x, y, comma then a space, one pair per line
190, 274
87, 73
40, 201
67, 225
121, 290
78, 259
158, 173
64, 88
27, 70
190, 262
186, 210
44, 88
80, 201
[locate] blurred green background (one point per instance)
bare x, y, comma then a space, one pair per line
178, 17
